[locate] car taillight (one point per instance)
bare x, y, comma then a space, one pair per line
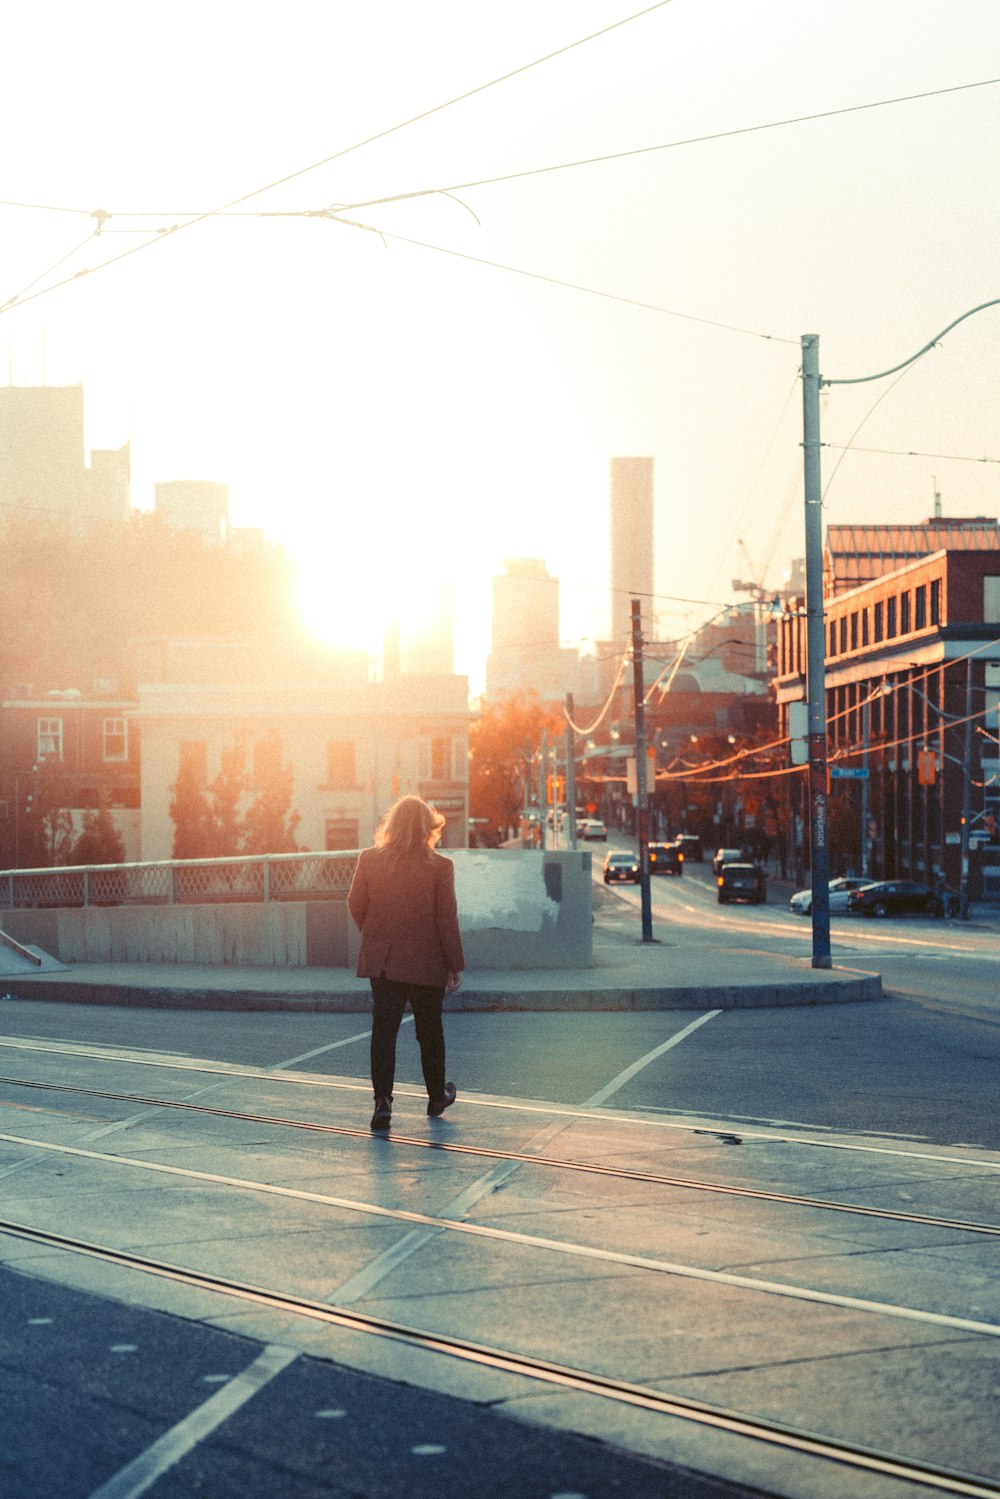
719, 880
680, 858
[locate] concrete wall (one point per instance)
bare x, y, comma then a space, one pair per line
518, 908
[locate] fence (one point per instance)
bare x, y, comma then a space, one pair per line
260, 878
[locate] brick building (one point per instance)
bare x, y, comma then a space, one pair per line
912, 633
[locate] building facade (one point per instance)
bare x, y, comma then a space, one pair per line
912, 694
353, 745
61, 756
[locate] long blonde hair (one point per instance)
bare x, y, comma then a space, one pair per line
409, 827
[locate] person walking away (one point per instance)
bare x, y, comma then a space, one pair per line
402, 899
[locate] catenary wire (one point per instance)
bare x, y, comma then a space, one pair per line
347, 150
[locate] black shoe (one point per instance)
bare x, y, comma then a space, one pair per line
438, 1105
382, 1117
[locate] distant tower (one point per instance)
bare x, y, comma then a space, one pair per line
631, 541
41, 449
195, 505
427, 642
525, 606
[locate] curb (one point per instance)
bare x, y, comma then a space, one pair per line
853, 988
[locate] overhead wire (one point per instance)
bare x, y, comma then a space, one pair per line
333, 216
379, 135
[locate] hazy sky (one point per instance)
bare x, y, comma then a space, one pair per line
397, 413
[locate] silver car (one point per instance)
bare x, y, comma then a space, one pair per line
801, 902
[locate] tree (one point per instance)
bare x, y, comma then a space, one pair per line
100, 841
219, 822
227, 793
46, 823
503, 744
192, 816
269, 824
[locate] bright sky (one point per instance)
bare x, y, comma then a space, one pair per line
397, 414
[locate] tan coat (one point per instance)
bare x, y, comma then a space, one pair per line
406, 912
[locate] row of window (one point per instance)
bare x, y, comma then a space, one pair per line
114, 739
899, 614
341, 762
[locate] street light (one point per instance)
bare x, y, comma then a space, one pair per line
812, 383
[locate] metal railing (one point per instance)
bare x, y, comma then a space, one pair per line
261, 877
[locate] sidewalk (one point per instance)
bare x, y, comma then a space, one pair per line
627, 974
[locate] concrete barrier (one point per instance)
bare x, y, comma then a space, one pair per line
518, 908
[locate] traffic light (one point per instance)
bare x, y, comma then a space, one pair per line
926, 767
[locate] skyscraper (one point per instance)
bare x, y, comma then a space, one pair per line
631, 541
41, 449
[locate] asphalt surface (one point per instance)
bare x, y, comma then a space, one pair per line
879, 1332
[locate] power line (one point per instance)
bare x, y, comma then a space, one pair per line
590, 291
694, 140
347, 150
911, 453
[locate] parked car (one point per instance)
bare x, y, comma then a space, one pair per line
690, 845
802, 901
895, 898
741, 882
726, 856
665, 858
592, 829
621, 866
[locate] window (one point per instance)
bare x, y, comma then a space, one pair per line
832, 649
843, 633
440, 759
904, 614
864, 627
341, 771
879, 625
890, 618
192, 760
342, 833
935, 601
991, 600
854, 631
920, 606
116, 739
50, 738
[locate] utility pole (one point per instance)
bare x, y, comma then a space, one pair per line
570, 773
819, 829
963, 898
865, 861
641, 795
543, 791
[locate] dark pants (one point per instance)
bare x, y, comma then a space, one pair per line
389, 1000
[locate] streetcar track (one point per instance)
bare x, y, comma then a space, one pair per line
237, 1073
703, 1413
621, 1173
564, 1247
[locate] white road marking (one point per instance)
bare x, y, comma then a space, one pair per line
143, 1471
630, 1072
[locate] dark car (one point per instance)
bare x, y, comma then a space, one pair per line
726, 856
742, 882
896, 898
619, 865
665, 858
690, 845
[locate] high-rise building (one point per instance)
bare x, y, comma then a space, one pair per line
525, 650
109, 483
631, 541
42, 466
195, 505
525, 606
